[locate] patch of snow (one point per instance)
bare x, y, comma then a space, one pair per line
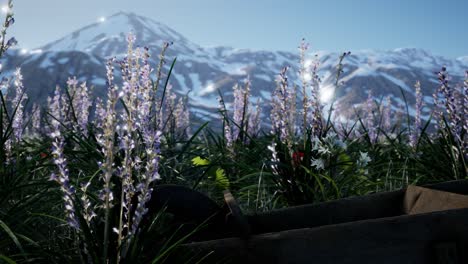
63, 60
397, 82
181, 81
46, 61
195, 80
209, 88
265, 94
99, 81
205, 101
264, 77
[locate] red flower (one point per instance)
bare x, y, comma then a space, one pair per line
298, 157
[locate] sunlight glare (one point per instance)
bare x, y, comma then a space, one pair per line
326, 94
36, 51
307, 77
208, 89
5, 9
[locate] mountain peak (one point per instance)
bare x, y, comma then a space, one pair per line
108, 37
124, 13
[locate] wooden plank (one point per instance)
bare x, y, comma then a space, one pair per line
401, 239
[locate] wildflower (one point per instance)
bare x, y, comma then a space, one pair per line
11, 42
297, 157
364, 159
386, 114
80, 101
107, 138
227, 128
254, 120
305, 76
316, 143
62, 178
18, 103
274, 158
36, 119
283, 110
323, 150
9, 21
55, 108
88, 212
417, 118
240, 109
182, 116
152, 140
370, 126
452, 100
315, 103
319, 164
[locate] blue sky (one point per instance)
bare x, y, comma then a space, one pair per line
335, 25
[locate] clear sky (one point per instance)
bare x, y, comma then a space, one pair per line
334, 25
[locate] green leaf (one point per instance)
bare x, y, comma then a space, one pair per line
199, 161
7, 259
12, 236
221, 180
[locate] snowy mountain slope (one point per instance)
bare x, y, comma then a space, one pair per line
202, 71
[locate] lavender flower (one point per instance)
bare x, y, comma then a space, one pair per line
169, 110
62, 178
99, 115
240, 109
226, 127
162, 61
386, 114
11, 43
18, 103
55, 108
9, 20
254, 120
80, 100
106, 139
36, 119
304, 75
152, 140
414, 137
465, 114
370, 125
283, 110
454, 108
88, 211
315, 103
465, 103
182, 115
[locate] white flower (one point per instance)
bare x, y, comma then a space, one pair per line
323, 150
315, 143
318, 164
364, 159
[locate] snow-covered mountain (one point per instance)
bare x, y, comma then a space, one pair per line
203, 71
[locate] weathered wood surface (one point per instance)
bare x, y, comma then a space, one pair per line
367, 229
422, 238
424, 200
351, 209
